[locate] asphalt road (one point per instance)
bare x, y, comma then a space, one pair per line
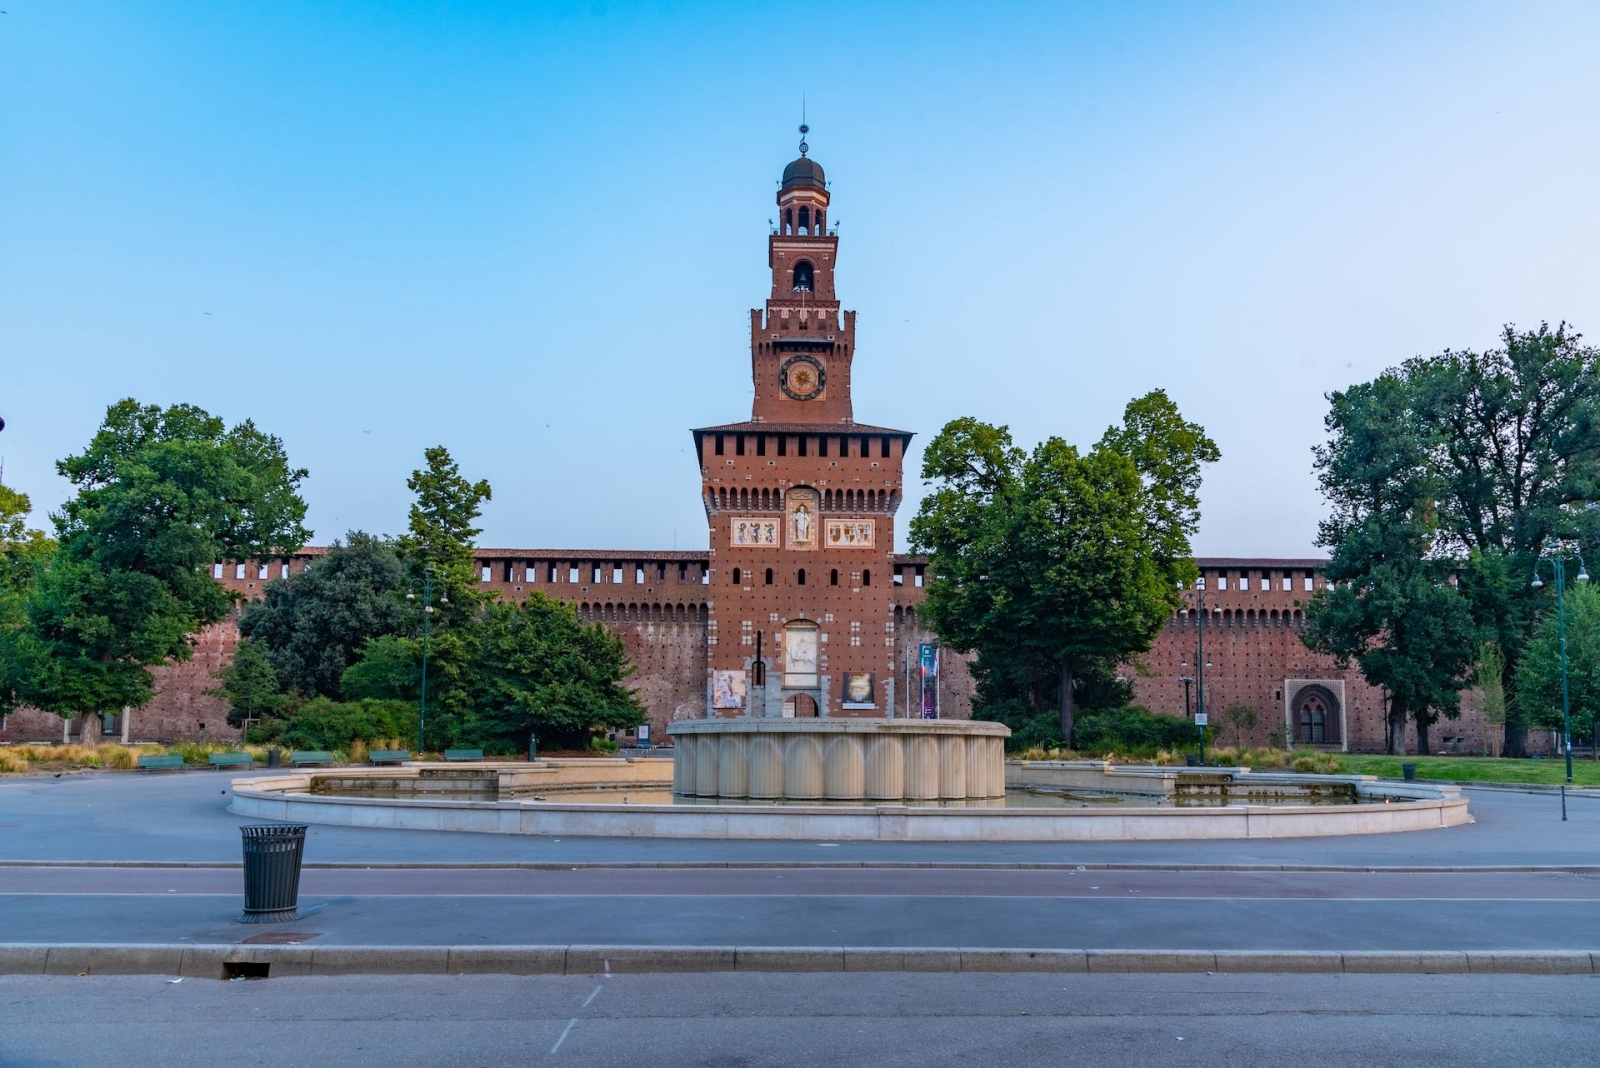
918, 1021
182, 817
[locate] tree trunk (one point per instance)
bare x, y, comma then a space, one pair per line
1396, 742
1064, 700
1516, 736
89, 730
1422, 736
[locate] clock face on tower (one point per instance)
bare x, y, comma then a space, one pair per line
802, 377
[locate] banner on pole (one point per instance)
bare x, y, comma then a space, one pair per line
928, 664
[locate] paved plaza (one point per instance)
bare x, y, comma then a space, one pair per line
121, 858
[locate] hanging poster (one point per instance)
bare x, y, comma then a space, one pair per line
801, 508
849, 534
858, 690
727, 689
752, 531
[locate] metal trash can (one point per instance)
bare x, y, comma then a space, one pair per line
272, 757
272, 854
1409, 772
1191, 760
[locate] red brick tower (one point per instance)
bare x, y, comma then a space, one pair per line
801, 499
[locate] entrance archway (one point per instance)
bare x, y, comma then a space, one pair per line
801, 706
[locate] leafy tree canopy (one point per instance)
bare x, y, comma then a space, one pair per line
1058, 563
161, 495
1506, 444
249, 684
1539, 674
1393, 609
540, 670
24, 555
441, 534
317, 622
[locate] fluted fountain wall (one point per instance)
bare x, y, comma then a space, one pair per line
839, 759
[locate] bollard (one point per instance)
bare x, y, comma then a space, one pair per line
272, 854
533, 748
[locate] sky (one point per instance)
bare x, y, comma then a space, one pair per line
531, 232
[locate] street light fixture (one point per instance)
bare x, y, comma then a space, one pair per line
427, 614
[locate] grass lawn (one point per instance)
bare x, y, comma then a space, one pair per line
1476, 769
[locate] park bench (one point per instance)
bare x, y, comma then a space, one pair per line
152, 761
310, 756
231, 760
389, 756
463, 754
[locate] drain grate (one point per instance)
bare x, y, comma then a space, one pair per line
280, 938
245, 969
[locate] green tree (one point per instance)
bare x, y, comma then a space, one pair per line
540, 670
1513, 434
249, 684
1391, 608
1490, 677
317, 622
1057, 565
1539, 674
161, 495
441, 534
1237, 719
24, 555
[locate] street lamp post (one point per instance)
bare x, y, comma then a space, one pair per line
1188, 713
427, 614
1199, 677
1557, 551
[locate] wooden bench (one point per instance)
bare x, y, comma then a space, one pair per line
389, 756
231, 760
310, 756
463, 754
153, 761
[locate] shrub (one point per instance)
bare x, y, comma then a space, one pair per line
1132, 731
13, 761
325, 724
603, 745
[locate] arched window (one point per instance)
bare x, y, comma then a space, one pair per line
788, 220
866, 577
804, 274
737, 574
769, 576
833, 577
801, 578
805, 220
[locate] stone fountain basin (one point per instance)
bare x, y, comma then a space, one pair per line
416, 797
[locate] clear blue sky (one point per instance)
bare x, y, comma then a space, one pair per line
532, 231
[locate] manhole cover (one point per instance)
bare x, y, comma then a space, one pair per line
280, 938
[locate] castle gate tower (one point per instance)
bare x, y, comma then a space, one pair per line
801, 498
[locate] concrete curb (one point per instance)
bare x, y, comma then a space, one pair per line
212, 961
955, 865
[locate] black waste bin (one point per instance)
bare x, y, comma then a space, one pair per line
272, 855
1192, 760
1409, 771
272, 758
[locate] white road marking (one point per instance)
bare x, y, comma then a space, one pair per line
564, 1032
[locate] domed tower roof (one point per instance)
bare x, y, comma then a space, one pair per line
804, 171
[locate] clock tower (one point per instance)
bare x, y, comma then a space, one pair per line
801, 498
